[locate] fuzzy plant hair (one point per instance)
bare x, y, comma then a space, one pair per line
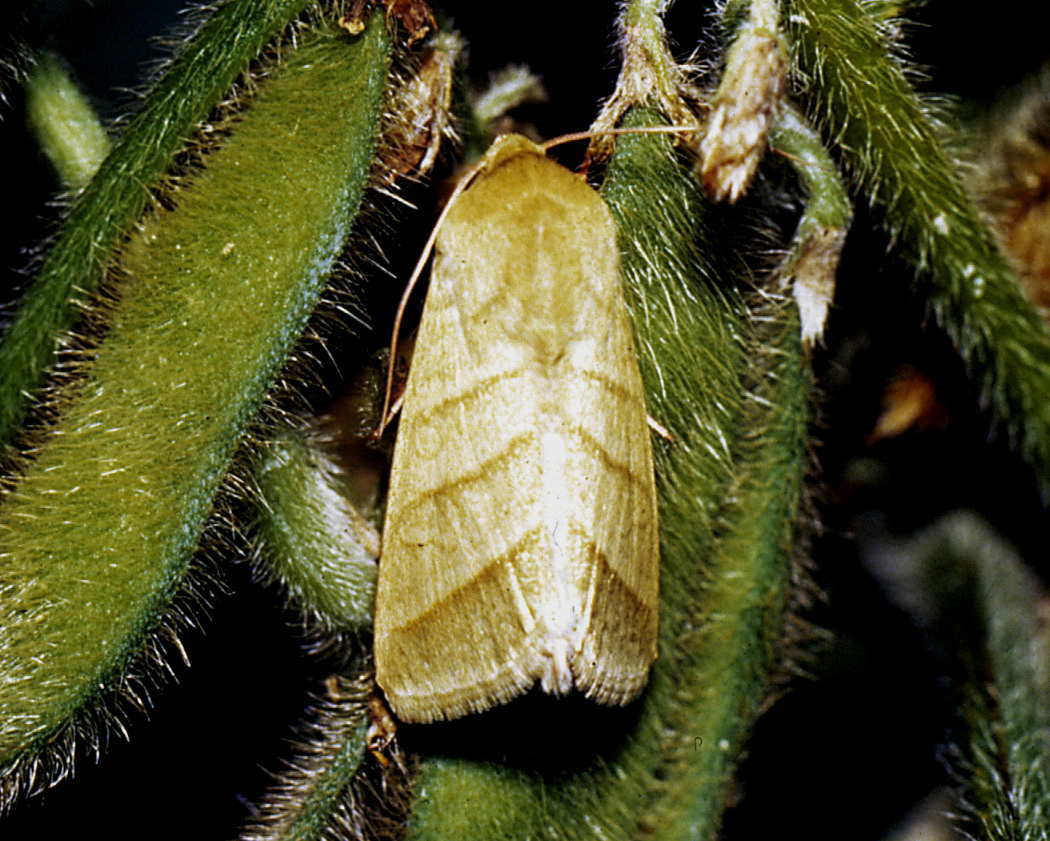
228, 256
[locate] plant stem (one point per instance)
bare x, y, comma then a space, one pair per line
853, 87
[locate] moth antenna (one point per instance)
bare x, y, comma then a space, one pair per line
562, 139
795, 159
388, 412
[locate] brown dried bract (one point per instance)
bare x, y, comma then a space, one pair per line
814, 280
354, 19
650, 76
910, 403
382, 728
413, 15
423, 111
743, 108
1015, 188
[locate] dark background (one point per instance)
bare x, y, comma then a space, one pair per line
849, 751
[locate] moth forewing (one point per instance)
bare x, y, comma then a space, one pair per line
520, 542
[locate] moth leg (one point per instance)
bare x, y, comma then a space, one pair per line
659, 429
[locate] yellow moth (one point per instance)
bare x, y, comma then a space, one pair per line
520, 542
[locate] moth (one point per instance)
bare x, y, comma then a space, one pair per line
520, 542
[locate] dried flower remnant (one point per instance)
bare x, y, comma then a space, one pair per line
910, 403
813, 280
1015, 188
745, 104
649, 75
414, 15
423, 110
